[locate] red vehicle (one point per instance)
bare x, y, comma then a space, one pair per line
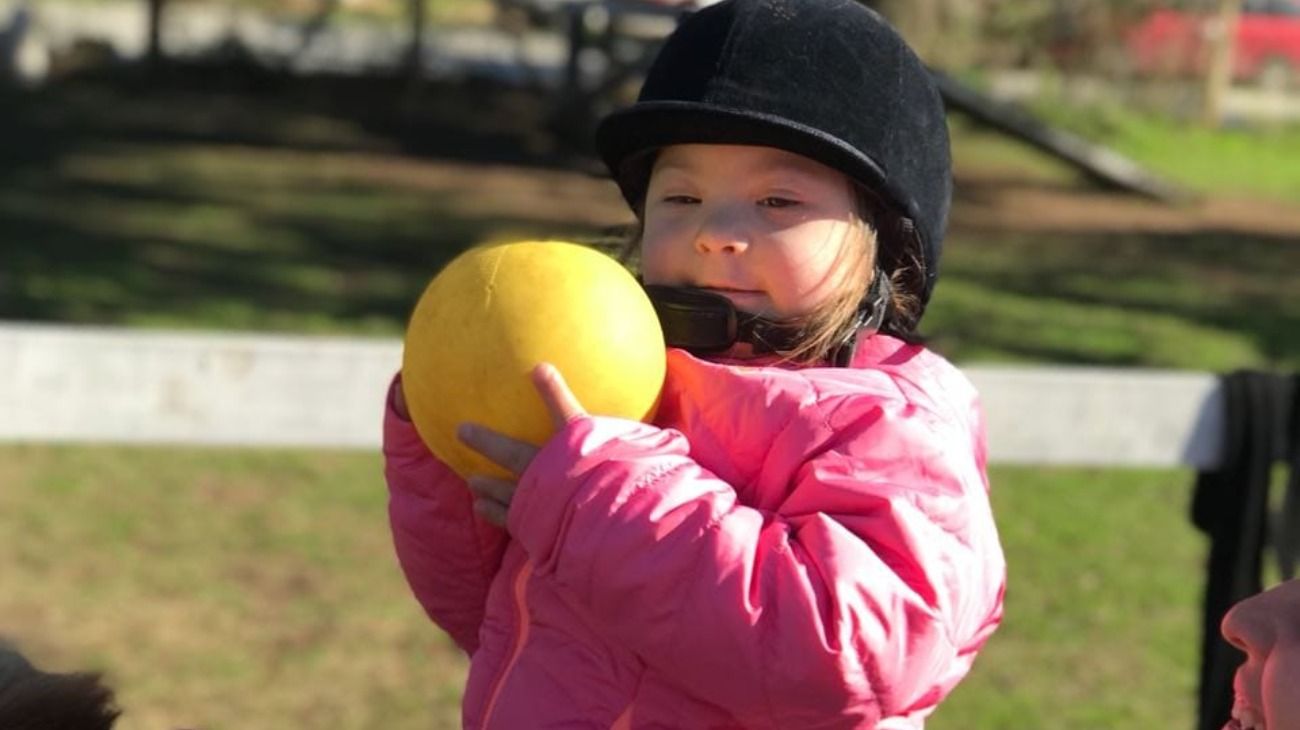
1173, 42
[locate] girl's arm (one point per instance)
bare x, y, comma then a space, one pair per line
865, 595
449, 554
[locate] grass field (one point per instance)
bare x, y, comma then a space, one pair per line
1263, 159
220, 589
257, 589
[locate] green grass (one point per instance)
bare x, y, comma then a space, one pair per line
220, 589
1101, 626
1205, 301
1259, 162
1263, 160
258, 589
977, 148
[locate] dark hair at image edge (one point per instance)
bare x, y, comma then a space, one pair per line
31, 699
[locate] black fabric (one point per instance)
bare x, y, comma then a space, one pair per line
705, 323
826, 79
869, 319
13, 666
1231, 505
1287, 530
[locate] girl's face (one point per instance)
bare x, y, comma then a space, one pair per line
1267, 628
763, 227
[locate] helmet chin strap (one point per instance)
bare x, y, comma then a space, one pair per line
705, 323
869, 319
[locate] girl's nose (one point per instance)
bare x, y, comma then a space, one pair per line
1242, 628
721, 233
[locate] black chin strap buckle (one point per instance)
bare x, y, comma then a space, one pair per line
868, 321
696, 321
705, 323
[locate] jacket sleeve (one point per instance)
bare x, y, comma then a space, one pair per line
864, 595
449, 554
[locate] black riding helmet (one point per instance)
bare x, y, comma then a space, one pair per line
826, 79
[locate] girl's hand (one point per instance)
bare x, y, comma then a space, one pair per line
399, 402
492, 495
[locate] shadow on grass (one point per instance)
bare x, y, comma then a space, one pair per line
321, 275
122, 202
1205, 299
467, 119
324, 205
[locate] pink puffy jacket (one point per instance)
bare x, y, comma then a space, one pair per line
783, 548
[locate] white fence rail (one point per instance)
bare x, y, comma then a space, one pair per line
129, 386
80, 384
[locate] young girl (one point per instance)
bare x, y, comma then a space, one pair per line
802, 538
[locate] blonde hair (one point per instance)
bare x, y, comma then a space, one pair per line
888, 245
825, 327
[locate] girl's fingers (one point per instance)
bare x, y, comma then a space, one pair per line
562, 404
492, 498
492, 512
399, 401
514, 456
491, 488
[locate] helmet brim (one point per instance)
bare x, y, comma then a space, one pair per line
624, 139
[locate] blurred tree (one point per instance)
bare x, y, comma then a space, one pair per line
1072, 34
1218, 76
904, 14
952, 33
943, 32
155, 52
415, 54
930, 26
317, 24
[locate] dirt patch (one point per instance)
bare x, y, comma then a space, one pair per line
986, 202
513, 153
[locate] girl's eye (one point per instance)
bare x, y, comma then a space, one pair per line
774, 201
680, 199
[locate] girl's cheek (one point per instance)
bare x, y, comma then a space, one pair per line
656, 260
664, 236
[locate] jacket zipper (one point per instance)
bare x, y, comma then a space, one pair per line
521, 637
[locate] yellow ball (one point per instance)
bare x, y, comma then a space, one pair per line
494, 313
